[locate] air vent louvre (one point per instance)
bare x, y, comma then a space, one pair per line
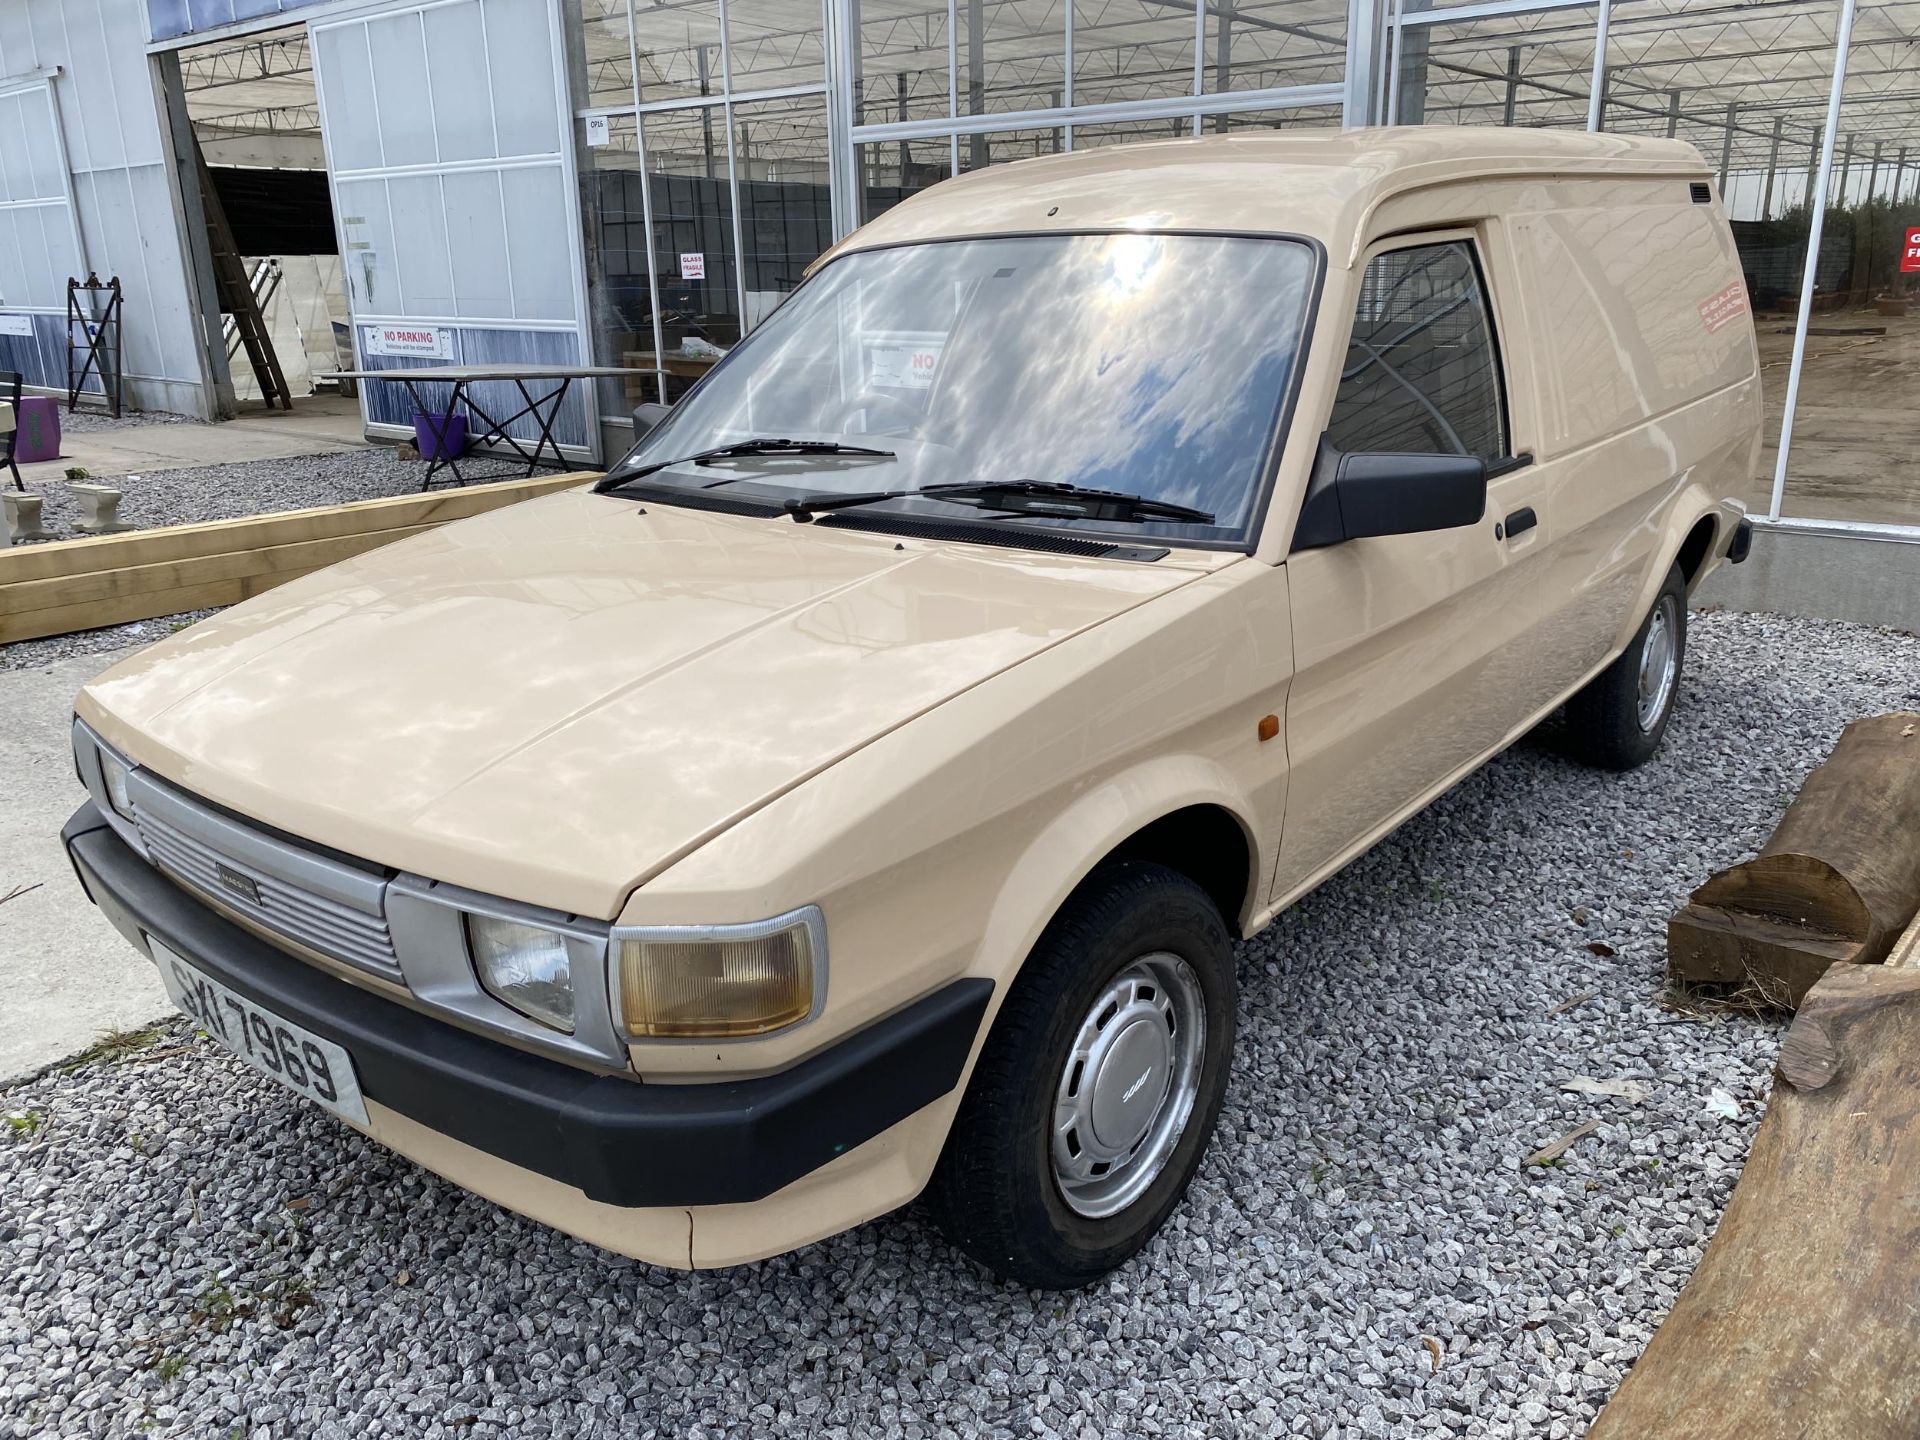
894, 524
1701, 192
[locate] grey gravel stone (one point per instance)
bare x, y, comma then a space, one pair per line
254, 487
80, 422
1365, 1195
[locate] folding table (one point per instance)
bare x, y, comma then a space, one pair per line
543, 409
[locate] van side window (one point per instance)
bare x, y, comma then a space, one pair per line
1421, 376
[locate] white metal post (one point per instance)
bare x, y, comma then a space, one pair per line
1599, 66
1199, 56
1066, 99
1816, 224
646, 210
846, 178
953, 85
1396, 23
733, 172
1363, 48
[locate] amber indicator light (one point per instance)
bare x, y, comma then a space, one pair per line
1269, 726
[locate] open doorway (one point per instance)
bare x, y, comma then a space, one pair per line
266, 244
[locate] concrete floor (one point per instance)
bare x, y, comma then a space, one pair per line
65, 972
1856, 431
317, 425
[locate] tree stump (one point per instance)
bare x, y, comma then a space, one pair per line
1801, 1322
1837, 882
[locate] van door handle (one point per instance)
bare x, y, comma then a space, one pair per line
1521, 521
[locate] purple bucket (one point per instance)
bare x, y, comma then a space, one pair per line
440, 437
37, 429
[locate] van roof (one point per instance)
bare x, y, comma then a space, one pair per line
1321, 183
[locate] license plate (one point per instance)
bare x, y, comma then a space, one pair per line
302, 1061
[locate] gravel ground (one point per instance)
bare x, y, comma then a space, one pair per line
192, 1252
254, 487
79, 422
33, 654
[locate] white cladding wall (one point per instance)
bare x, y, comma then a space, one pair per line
450, 146
114, 184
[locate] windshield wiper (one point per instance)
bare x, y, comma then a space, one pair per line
1021, 497
768, 445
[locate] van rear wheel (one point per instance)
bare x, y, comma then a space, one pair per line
1619, 719
1100, 1084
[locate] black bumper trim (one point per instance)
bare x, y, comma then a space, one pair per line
1741, 545
619, 1141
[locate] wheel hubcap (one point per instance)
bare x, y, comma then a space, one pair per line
1129, 1084
1659, 663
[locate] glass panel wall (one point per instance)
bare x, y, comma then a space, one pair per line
786, 196
1749, 86
703, 204
1263, 44
679, 45
605, 62
1011, 55
1083, 72
1533, 71
773, 44
902, 56
1131, 50
1856, 424
891, 170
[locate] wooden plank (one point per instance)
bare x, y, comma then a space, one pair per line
1800, 1322
31, 599
218, 537
143, 592
97, 613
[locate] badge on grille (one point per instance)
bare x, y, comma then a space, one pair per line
241, 885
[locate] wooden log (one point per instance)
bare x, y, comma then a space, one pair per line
1802, 1322
1837, 882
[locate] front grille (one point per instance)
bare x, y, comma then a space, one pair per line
319, 922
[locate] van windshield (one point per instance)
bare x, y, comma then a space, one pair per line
1152, 364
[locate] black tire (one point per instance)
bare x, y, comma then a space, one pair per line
1604, 725
995, 1192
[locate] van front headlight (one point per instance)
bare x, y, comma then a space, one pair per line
523, 966
718, 981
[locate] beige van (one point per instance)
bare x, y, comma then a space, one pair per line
857, 793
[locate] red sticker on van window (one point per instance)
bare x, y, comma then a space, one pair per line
1725, 307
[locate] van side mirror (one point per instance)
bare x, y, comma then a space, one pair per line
646, 416
1353, 495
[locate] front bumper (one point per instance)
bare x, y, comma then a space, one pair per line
618, 1141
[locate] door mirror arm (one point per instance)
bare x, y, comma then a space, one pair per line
1355, 494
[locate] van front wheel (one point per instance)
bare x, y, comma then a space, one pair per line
1618, 720
1099, 1086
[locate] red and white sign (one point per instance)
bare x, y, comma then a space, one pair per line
903, 364
693, 265
1910, 254
1724, 307
432, 342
